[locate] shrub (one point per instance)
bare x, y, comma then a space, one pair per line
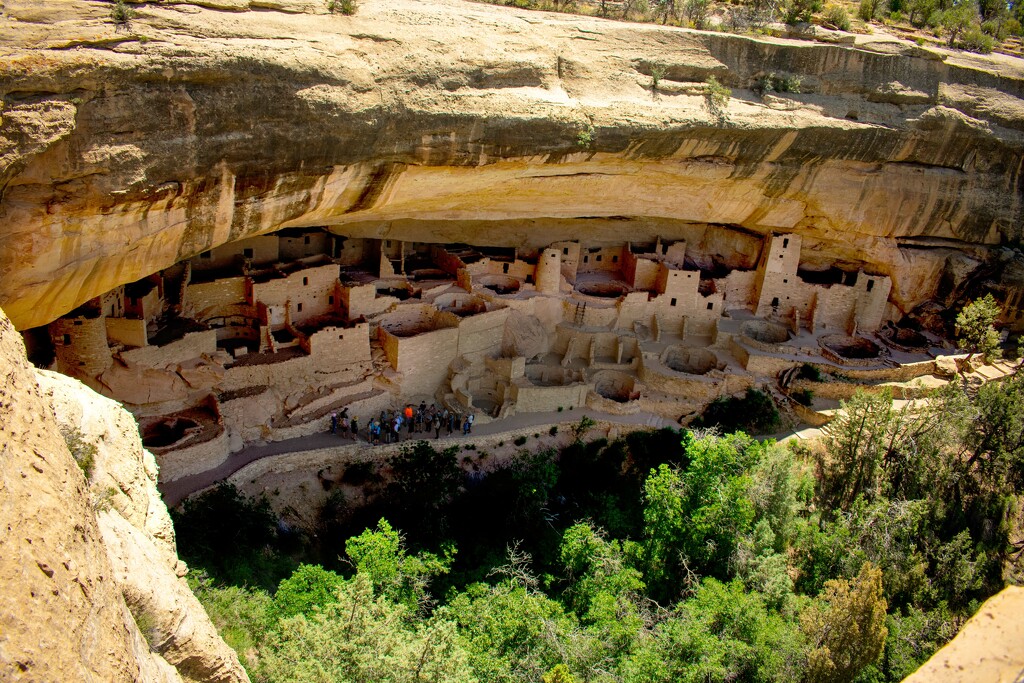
83, 452
798, 11
121, 14
836, 16
657, 73
519, 440
346, 7
754, 413
716, 98
553, 430
804, 397
974, 40
808, 371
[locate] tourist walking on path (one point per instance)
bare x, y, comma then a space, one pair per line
396, 428
344, 426
355, 428
469, 420
465, 426
334, 423
437, 426
451, 422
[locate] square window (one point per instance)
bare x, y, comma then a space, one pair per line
775, 302
672, 303
305, 281
67, 339
305, 240
615, 259
785, 281
586, 259
504, 268
871, 285
598, 257
299, 308
711, 306
247, 253
781, 256
565, 251
330, 299
785, 242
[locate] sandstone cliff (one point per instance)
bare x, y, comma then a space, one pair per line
90, 586
123, 151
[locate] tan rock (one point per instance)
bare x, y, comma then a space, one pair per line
454, 121
64, 576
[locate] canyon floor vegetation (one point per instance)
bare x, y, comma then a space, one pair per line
659, 556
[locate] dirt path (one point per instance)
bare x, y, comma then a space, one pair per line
179, 489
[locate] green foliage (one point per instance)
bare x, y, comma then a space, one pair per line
380, 556
837, 17
346, 7
519, 440
696, 12
82, 450
869, 10
975, 39
755, 413
846, 627
222, 518
956, 21
800, 11
309, 587
749, 562
121, 14
243, 616
804, 397
364, 637
582, 427
723, 633
693, 518
510, 632
716, 98
808, 371
424, 482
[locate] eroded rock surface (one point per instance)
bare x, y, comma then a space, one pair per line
125, 151
83, 562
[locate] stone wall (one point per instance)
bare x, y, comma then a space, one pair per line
204, 300
127, 331
192, 345
480, 335
260, 250
530, 398
306, 293
80, 345
337, 348
184, 462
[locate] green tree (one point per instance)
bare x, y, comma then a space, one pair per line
975, 324
310, 586
957, 21
381, 557
364, 637
846, 627
693, 518
723, 633
511, 633
424, 482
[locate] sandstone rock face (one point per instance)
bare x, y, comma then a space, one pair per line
83, 561
125, 151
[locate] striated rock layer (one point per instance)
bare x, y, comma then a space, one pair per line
125, 151
90, 586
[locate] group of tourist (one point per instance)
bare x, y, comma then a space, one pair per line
387, 427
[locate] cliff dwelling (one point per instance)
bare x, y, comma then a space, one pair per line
265, 338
